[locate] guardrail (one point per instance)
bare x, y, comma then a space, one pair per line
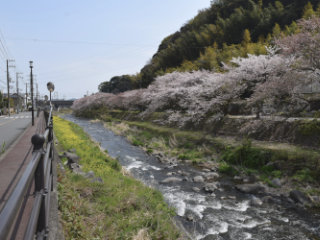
39, 169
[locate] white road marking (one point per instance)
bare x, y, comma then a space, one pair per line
14, 117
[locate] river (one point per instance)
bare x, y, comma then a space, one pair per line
224, 214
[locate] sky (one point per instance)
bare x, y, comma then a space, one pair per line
77, 44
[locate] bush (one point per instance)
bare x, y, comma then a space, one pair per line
310, 128
227, 169
247, 156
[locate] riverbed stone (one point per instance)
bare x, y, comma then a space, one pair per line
237, 178
76, 169
250, 179
252, 188
211, 187
211, 176
72, 158
89, 174
190, 217
171, 180
159, 155
183, 173
300, 197
315, 200
268, 199
276, 182
195, 189
97, 180
207, 165
198, 179
72, 150
254, 201
187, 179
170, 165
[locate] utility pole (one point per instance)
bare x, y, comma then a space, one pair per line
31, 83
8, 87
8, 83
27, 96
37, 93
17, 86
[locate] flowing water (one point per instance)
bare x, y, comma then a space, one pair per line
224, 214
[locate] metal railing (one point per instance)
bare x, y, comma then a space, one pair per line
39, 170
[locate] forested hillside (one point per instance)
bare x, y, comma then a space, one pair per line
227, 29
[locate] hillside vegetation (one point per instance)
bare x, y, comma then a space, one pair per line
227, 29
284, 82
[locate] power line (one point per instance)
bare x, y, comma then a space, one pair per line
3, 49
4, 45
2, 55
81, 42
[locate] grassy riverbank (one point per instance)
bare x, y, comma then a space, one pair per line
119, 208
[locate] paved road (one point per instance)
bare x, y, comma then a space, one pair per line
12, 127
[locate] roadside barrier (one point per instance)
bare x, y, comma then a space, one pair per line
38, 176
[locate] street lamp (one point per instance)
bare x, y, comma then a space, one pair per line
31, 83
50, 87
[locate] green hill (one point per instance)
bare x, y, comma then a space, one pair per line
228, 28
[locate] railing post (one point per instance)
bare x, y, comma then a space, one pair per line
50, 127
38, 141
51, 141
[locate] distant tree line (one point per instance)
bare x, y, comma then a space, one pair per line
227, 29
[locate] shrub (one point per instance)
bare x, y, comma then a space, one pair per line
227, 169
247, 156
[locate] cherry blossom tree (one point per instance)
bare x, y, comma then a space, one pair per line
305, 45
193, 97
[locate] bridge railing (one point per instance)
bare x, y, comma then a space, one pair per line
39, 170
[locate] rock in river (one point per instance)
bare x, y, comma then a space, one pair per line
198, 179
195, 189
276, 182
299, 197
255, 201
252, 188
171, 180
210, 187
211, 176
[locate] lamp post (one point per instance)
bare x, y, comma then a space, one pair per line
50, 87
31, 83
